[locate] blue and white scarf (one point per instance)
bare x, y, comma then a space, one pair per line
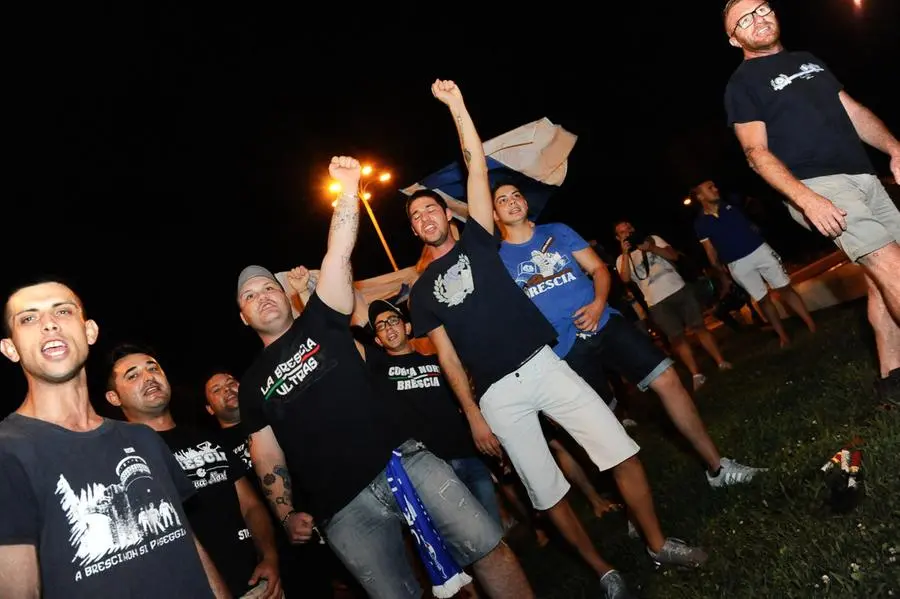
447, 578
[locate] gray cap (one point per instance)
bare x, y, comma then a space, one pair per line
251, 272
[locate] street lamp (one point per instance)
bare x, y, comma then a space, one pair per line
365, 195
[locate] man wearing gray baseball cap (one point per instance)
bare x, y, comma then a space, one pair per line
316, 428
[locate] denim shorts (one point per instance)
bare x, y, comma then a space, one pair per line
367, 533
623, 349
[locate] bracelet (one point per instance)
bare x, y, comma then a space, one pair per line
285, 519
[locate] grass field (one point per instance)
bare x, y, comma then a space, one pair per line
788, 410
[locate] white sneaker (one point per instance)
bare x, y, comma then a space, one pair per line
699, 380
733, 473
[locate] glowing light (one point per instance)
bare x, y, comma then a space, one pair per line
335, 187
366, 171
366, 195
687, 201
384, 177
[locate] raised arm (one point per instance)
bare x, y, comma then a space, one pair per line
873, 131
825, 216
335, 286
459, 382
478, 187
19, 574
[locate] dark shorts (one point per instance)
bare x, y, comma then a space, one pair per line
678, 312
620, 347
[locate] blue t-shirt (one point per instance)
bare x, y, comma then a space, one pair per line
548, 273
731, 233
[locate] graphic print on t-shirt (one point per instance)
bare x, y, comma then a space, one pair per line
455, 285
205, 464
113, 522
546, 270
807, 70
415, 377
297, 372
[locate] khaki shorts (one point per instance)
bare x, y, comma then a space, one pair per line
545, 383
759, 270
873, 220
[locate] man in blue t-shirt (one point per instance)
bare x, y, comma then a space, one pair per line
729, 238
552, 265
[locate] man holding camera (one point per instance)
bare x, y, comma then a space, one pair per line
649, 261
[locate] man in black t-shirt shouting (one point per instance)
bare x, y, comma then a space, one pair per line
478, 318
315, 422
803, 134
227, 514
91, 507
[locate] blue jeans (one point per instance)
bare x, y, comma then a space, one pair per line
367, 533
475, 475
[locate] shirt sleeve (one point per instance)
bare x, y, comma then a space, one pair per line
479, 234
236, 466
183, 484
830, 77
317, 309
19, 523
740, 104
659, 241
700, 229
570, 238
423, 318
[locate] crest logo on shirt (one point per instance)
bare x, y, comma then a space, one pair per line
807, 70
544, 271
455, 285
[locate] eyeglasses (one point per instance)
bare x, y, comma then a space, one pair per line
389, 321
747, 20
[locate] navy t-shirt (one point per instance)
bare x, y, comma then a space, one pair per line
103, 508
796, 96
491, 323
731, 233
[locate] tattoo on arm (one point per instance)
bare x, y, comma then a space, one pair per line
286, 496
467, 155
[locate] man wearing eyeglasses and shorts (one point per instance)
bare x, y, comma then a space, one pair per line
802, 133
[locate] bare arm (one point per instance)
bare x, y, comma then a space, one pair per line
335, 287
216, 584
824, 215
667, 252
19, 573
459, 382
271, 468
711, 253
588, 317
869, 127
257, 519
625, 269
478, 188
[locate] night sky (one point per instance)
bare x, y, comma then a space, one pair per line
157, 152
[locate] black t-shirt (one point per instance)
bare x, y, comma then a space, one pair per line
312, 387
796, 96
215, 510
417, 390
492, 324
234, 439
103, 508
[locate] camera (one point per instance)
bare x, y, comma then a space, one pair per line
636, 239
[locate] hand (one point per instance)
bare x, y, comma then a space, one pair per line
626, 246
446, 91
485, 440
895, 167
825, 216
299, 527
267, 569
346, 171
299, 279
588, 317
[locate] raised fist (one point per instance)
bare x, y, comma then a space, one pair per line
301, 279
346, 171
446, 91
